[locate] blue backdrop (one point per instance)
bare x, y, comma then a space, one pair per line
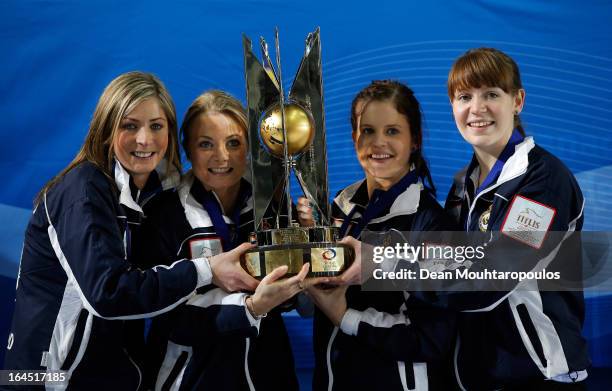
57, 56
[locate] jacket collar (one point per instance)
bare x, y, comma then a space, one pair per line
351, 196
515, 166
169, 178
195, 213
406, 203
122, 179
356, 195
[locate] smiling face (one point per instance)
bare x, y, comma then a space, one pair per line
383, 143
485, 116
218, 150
142, 140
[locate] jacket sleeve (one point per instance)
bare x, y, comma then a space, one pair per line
89, 245
213, 313
422, 333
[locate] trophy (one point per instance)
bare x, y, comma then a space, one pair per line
285, 136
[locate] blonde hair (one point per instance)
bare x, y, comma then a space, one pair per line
212, 101
119, 98
486, 67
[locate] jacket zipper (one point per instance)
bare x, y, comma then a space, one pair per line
246, 365
136, 366
330, 372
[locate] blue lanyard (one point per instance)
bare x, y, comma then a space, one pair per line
379, 201
211, 205
347, 222
515, 139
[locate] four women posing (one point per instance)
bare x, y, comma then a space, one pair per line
115, 238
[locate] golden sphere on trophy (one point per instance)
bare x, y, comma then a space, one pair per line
300, 129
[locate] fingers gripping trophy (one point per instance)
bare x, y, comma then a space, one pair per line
285, 136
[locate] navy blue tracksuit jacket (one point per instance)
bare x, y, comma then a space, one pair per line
522, 335
387, 340
211, 342
76, 290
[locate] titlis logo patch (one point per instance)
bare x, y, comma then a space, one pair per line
529, 218
528, 221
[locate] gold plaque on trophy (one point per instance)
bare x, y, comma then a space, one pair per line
287, 135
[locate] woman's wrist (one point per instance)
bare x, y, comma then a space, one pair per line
249, 302
338, 315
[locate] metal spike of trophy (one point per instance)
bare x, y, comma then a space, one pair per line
288, 135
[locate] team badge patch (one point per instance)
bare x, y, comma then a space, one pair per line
483, 221
205, 247
326, 259
528, 221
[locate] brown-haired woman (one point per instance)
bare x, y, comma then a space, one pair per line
77, 286
218, 339
383, 340
529, 204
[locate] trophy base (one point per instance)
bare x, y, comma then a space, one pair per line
295, 246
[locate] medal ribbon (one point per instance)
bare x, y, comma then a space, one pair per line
379, 201
212, 206
515, 139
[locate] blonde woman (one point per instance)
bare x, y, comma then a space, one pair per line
76, 286
217, 340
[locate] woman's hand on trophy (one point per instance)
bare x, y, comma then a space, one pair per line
352, 275
227, 272
305, 212
331, 301
272, 291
